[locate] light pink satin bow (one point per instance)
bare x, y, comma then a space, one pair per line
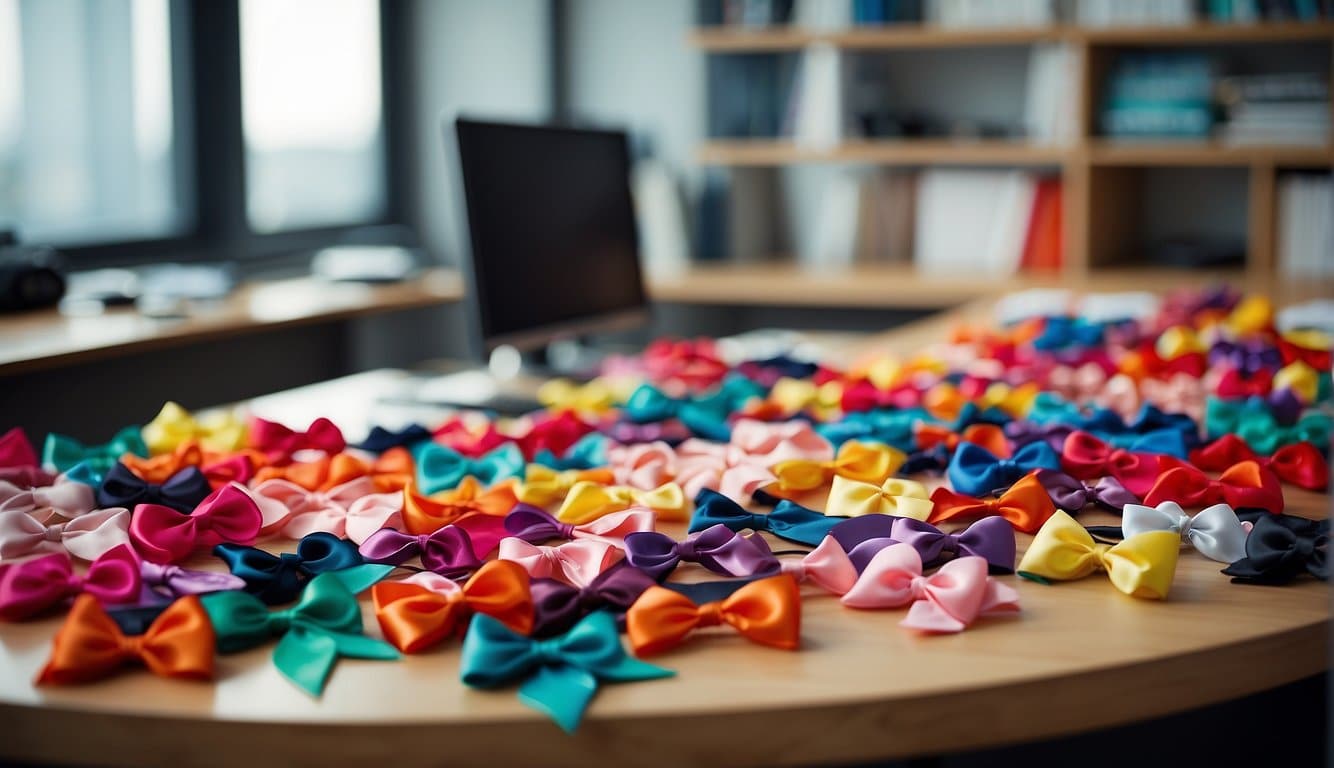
352, 510
643, 465
86, 537
1121, 394
63, 498
946, 601
1079, 384
767, 443
576, 563
1181, 393
827, 566
724, 467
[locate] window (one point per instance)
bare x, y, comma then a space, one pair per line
311, 108
87, 134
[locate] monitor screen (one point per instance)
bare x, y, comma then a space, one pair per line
554, 245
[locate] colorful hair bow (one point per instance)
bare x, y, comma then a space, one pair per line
1065, 332
280, 442
556, 433
794, 396
589, 452
33, 586
468, 439
89, 645
218, 468
1215, 532
1179, 393
1026, 505
182, 492
1246, 484
717, 548
16, 450
1071, 494
62, 453
1280, 548
855, 460
946, 601
895, 496
173, 425
535, 526
352, 510
169, 582
863, 395
424, 514
705, 417
1309, 346
1021, 432
390, 472
594, 398
1087, 458
1300, 464
418, 612
440, 468
557, 606
574, 562
323, 625
448, 551
827, 566
766, 611
86, 537
989, 436
1253, 421
975, 471
587, 502
770, 443
626, 432
1301, 379
163, 535
721, 466
380, 439
889, 427
643, 465
559, 675
1140, 566
543, 487
990, 538
277, 579
692, 362
788, 520
62, 498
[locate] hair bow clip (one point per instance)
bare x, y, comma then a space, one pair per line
716, 548
557, 676
720, 466
280, 442
765, 611
447, 551
62, 498
644, 465
16, 450
89, 646
1246, 484
535, 525
33, 586
855, 460
893, 428
380, 439
554, 432
62, 453
543, 487
352, 510
592, 399
588, 501
788, 520
86, 537
1300, 464
324, 625
480, 512
895, 496
440, 468
165, 583
277, 579
1215, 532
1072, 494
420, 611
557, 606
705, 417
975, 471
173, 425
164, 535
1086, 457
1280, 548
575, 562
182, 492
217, 468
769, 443
588, 452
470, 439
1026, 505
1140, 566
991, 538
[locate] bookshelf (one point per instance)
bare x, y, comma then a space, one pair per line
1098, 174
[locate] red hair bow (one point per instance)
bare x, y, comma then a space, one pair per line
1300, 464
1086, 457
1246, 484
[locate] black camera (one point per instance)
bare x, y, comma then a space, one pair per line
31, 276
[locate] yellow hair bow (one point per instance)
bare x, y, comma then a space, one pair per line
1178, 341
595, 397
173, 425
797, 395
1253, 314
853, 498
1015, 401
588, 501
1141, 566
1308, 338
864, 462
1301, 378
543, 486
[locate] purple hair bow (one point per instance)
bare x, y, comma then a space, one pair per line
557, 606
164, 583
448, 551
990, 538
1073, 495
716, 548
535, 525
1022, 432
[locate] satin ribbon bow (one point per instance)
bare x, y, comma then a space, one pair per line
16, 450
721, 466
33, 586
1140, 566
770, 443
418, 612
594, 398
543, 487
989, 436
1280, 548
946, 601
991, 538
163, 535
62, 453
440, 468
827, 566
574, 562
1301, 379
1300, 464
788, 520
169, 582
447, 551
173, 425
1026, 505
557, 606
391, 471
855, 460
793, 396
589, 452
470, 439
1088, 458
62, 498
480, 513
182, 492
717, 548
975, 471
1215, 532
559, 675
643, 465
1246, 484
587, 502
352, 510
280, 442
89, 646
219, 468
535, 526
1071, 494
1253, 422
381, 439
556, 432
323, 625
894, 428
705, 417
766, 611
86, 537
277, 579
895, 496
1063, 332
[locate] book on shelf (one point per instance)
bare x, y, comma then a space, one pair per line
1291, 108
1051, 93
972, 222
1126, 13
1306, 226
1044, 241
975, 14
1159, 96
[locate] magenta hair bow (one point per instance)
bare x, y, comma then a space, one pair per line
767, 443
86, 537
352, 510
62, 498
643, 465
946, 601
535, 525
33, 586
16, 450
163, 535
723, 467
447, 551
280, 442
576, 563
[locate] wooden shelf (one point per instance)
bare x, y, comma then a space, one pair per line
1209, 34
1111, 152
761, 152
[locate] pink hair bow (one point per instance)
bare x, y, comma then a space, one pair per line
163, 535
30, 587
63, 498
946, 601
827, 566
352, 510
1181, 393
1079, 384
280, 442
86, 537
576, 563
768, 443
1121, 394
724, 467
643, 465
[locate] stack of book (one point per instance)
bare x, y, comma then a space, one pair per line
1275, 109
1306, 226
987, 222
990, 13
1125, 13
1252, 11
1160, 96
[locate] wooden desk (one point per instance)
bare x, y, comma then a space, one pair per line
1081, 656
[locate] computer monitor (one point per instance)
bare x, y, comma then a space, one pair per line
555, 249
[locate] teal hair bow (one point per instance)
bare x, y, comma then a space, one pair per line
788, 520
83, 472
1051, 408
1253, 421
64, 452
590, 452
890, 427
440, 467
323, 625
560, 674
705, 416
